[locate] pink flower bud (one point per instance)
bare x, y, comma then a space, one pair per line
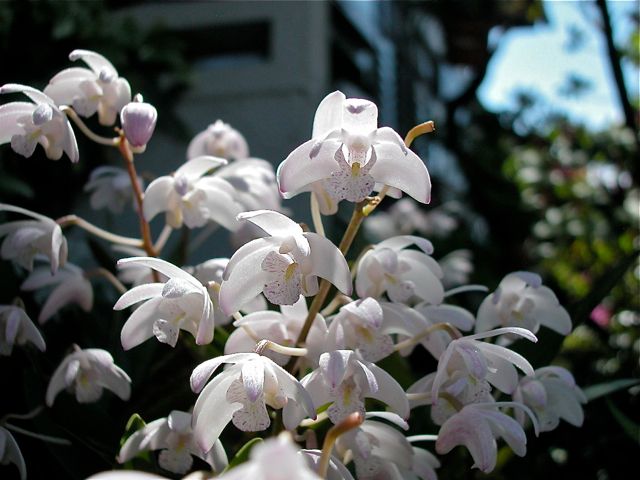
138, 121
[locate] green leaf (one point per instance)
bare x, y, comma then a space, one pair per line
134, 424
629, 426
602, 389
243, 454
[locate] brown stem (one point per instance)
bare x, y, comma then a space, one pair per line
147, 242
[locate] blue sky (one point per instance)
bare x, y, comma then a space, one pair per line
535, 59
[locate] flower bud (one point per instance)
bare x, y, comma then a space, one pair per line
138, 121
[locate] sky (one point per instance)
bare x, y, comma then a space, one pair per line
537, 60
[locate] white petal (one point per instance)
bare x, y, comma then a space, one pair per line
203, 372
212, 412
96, 61
272, 223
36, 95
9, 115
163, 267
299, 171
406, 172
390, 392
58, 381
333, 366
328, 115
197, 167
402, 241
139, 326
138, 294
77, 291
329, 263
253, 379
156, 197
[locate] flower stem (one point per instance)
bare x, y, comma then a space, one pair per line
316, 215
103, 272
352, 421
71, 113
325, 286
39, 436
98, 232
147, 242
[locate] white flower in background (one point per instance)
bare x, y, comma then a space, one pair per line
128, 475
180, 303
348, 154
110, 188
219, 140
282, 328
345, 381
283, 265
275, 459
174, 436
70, 286
138, 120
27, 238
90, 90
191, 197
336, 469
240, 394
552, 394
16, 328
359, 326
405, 217
457, 267
86, 373
403, 274
254, 182
382, 452
522, 301
477, 426
10, 452
474, 362
25, 124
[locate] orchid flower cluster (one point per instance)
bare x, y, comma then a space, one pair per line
313, 364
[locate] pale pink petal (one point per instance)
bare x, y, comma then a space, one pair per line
253, 379
360, 116
390, 392
203, 372
333, 366
9, 115
58, 381
36, 95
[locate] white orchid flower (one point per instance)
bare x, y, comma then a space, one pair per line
219, 140
552, 394
477, 426
180, 303
360, 326
522, 301
10, 452
478, 361
86, 373
27, 238
191, 197
174, 436
403, 274
345, 381
275, 459
282, 328
16, 328
90, 90
71, 286
240, 394
25, 124
110, 188
348, 154
283, 265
